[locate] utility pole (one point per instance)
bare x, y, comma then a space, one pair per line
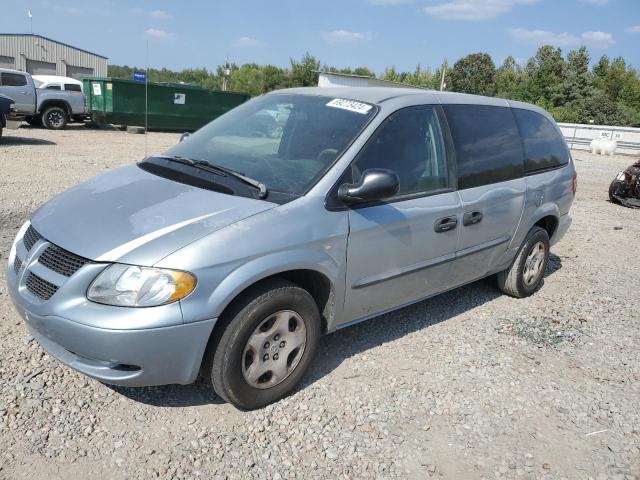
146, 101
226, 72
444, 70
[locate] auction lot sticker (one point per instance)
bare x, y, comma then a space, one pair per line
350, 105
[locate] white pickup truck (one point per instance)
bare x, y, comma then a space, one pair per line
49, 107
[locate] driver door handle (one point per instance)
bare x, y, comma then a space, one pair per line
446, 224
471, 218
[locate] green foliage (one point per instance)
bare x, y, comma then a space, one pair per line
474, 74
608, 93
507, 79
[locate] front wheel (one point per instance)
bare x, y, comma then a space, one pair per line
525, 274
54, 118
268, 343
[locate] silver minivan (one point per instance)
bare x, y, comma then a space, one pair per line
298, 213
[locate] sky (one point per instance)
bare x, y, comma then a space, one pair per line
342, 33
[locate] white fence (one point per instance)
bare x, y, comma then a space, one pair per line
579, 136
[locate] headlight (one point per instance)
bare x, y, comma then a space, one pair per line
131, 286
19, 235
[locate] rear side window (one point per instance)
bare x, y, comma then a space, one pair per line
487, 144
544, 147
53, 87
13, 80
72, 87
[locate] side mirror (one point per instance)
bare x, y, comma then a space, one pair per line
183, 136
375, 184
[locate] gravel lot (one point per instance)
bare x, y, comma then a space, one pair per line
471, 384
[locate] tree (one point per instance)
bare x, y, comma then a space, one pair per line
544, 73
305, 72
577, 83
473, 74
508, 79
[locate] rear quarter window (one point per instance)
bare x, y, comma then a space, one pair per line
13, 80
544, 147
487, 144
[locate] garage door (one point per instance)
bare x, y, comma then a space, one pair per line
79, 72
34, 67
7, 62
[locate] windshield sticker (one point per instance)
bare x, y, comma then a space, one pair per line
350, 105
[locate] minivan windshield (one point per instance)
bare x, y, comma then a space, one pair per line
284, 141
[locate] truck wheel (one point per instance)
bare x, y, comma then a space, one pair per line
266, 345
525, 274
34, 121
54, 118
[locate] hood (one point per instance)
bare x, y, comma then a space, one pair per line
132, 216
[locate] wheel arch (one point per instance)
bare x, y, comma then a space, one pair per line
314, 271
55, 103
549, 223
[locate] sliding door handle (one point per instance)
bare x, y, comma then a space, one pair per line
471, 218
446, 224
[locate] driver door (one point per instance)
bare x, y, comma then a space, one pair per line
400, 250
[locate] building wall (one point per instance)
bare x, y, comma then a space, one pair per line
332, 80
40, 51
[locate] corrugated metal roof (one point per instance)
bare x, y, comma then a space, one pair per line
51, 40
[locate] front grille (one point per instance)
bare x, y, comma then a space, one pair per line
61, 261
40, 287
30, 238
17, 265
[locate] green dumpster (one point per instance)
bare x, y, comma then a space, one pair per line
171, 106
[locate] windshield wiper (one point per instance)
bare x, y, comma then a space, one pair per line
213, 168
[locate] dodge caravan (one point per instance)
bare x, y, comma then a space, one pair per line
298, 213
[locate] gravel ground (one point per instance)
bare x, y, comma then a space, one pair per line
471, 384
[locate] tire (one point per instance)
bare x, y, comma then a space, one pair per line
54, 118
613, 189
234, 366
34, 121
516, 280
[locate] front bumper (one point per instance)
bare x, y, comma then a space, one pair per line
125, 356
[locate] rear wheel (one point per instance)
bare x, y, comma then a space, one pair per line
54, 118
267, 344
525, 274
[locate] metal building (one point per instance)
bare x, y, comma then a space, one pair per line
40, 55
332, 79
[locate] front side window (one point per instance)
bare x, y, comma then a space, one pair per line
284, 141
487, 144
410, 144
544, 147
13, 80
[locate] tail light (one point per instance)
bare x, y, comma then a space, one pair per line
575, 182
